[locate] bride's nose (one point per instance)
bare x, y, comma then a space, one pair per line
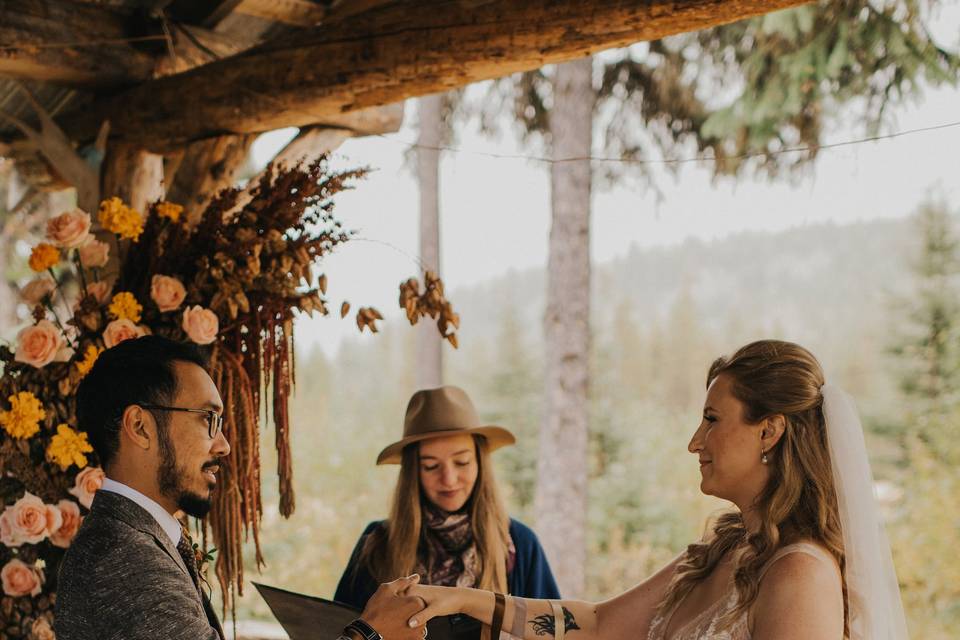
696, 442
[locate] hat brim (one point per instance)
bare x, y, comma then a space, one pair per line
496, 437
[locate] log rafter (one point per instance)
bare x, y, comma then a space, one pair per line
392, 52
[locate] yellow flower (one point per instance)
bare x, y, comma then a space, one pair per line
68, 447
120, 219
169, 210
89, 359
43, 257
23, 418
125, 307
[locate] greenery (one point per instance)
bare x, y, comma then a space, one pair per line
661, 316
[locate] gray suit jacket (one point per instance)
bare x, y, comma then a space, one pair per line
122, 579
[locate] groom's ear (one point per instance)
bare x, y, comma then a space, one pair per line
137, 427
772, 430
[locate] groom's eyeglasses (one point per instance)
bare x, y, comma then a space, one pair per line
214, 419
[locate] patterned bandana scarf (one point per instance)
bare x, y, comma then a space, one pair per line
448, 553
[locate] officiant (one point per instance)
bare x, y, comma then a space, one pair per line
447, 520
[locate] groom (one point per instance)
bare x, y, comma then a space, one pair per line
154, 418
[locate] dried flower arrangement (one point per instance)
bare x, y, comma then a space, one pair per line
234, 282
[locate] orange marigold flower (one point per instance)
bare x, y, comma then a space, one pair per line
125, 307
23, 418
43, 257
118, 218
68, 447
169, 210
89, 359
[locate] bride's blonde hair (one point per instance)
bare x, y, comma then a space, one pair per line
773, 377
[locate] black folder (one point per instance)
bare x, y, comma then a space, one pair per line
306, 617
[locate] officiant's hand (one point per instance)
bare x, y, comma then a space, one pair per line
391, 607
440, 601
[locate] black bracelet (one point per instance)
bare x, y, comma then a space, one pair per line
499, 602
365, 630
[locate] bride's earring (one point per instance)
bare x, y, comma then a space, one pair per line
763, 457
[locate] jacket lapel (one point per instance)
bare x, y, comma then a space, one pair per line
114, 505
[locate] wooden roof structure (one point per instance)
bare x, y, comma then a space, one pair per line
189, 83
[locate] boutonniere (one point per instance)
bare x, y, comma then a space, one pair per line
204, 558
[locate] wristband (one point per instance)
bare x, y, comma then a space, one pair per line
496, 624
365, 630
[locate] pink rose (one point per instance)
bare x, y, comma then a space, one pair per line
70, 229
201, 325
20, 579
120, 330
41, 630
167, 292
70, 514
39, 345
86, 484
36, 290
29, 521
94, 253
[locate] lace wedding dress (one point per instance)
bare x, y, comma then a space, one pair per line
706, 623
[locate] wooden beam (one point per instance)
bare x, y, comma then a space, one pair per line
299, 13
395, 51
309, 145
90, 46
72, 43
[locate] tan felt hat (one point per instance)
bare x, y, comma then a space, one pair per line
436, 413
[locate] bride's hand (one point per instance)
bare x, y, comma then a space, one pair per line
440, 601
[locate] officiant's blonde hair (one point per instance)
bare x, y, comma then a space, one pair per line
390, 552
771, 377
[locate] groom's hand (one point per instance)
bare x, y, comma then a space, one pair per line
390, 608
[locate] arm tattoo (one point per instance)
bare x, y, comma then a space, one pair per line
546, 624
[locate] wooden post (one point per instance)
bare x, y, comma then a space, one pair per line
429, 358
133, 175
136, 177
206, 168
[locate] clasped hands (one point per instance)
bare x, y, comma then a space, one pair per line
400, 610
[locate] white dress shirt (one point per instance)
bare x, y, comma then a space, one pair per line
167, 522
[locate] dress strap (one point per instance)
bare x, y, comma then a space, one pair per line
799, 547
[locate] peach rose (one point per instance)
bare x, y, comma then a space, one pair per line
36, 290
86, 484
201, 325
69, 229
94, 253
39, 345
70, 513
20, 579
120, 330
167, 292
29, 521
40, 630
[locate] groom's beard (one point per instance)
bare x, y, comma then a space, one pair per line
170, 480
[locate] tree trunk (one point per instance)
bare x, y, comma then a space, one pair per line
429, 359
561, 496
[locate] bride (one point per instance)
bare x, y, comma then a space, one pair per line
803, 556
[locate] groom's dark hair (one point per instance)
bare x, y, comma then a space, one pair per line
136, 371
